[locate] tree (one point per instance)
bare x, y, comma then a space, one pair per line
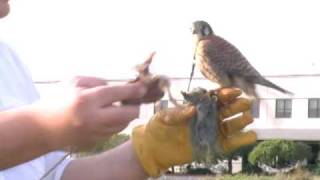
279, 153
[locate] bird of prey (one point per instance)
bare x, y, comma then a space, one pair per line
222, 63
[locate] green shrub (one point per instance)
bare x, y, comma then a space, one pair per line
316, 169
279, 153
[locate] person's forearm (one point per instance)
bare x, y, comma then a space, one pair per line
118, 163
23, 136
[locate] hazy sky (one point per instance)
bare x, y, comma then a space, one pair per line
60, 38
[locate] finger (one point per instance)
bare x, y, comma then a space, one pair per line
236, 124
177, 115
107, 95
118, 116
228, 94
88, 82
241, 139
237, 106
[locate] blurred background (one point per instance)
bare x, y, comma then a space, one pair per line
61, 38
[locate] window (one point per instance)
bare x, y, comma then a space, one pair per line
255, 108
162, 104
283, 108
314, 108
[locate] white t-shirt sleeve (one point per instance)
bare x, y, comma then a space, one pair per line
16, 85
17, 89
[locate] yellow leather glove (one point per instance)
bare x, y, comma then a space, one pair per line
165, 140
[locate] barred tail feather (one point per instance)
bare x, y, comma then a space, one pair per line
268, 83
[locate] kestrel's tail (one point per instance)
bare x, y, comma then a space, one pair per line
248, 87
268, 83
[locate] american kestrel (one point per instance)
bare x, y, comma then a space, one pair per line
222, 63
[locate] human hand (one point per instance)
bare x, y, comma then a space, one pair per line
93, 113
166, 140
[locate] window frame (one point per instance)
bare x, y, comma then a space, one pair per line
317, 109
255, 108
286, 112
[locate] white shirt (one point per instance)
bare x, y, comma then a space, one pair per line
17, 89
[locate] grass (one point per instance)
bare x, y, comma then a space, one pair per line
297, 175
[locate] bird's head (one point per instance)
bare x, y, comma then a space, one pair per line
201, 29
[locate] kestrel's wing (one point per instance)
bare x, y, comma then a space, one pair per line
224, 57
232, 67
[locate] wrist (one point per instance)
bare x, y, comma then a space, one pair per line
144, 153
51, 126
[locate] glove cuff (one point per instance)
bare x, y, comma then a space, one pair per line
143, 152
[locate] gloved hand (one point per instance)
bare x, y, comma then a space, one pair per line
165, 140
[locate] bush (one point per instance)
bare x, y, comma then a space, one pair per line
279, 153
315, 169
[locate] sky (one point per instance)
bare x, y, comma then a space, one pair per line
60, 38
